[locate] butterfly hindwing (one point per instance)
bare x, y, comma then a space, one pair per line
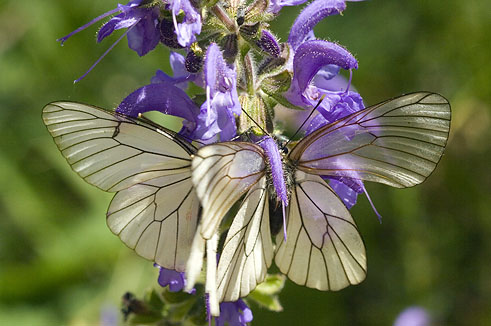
222, 173
155, 209
398, 142
248, 249
323, 248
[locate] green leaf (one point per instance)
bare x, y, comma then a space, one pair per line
266, 293
273, 284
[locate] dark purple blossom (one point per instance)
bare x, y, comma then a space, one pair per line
222, 103
191, 24
234, 314
269, 44
168, 277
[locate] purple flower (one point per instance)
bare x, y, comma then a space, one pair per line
413, 316
269, 44
175, 280
346, 193
309, 17
234, 314
143, 32
141, 22
166, 98
222, 103
336, 105
191, 24
276, 5
312, 56
181, 75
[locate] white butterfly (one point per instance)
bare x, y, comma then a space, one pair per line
155, 209
398, 142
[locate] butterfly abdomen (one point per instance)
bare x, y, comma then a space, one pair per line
275, 171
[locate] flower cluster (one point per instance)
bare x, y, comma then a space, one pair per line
227, 50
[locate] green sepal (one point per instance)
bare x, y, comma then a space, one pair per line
257, 12
175, 297
255, 108
279, 83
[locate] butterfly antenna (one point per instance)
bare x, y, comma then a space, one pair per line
257, 124
303, 123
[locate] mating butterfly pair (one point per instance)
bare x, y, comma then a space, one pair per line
161, 179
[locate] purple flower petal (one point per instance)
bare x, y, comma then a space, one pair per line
129, 16
217, 112
276, 5
311, 56
347, 194
181, 75
190, 26
234, 314
163, 97
145, 35
168, 277
310, 16
328, 78
336, 105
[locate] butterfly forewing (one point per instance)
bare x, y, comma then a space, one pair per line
323, 248
398, 142
155, 209
222, 173
248, 250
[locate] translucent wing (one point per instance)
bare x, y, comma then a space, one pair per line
248, 250
222, 173
398, 142
323, 248
155, 209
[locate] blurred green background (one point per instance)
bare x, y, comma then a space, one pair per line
60, 264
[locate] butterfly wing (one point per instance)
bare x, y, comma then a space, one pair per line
398, 142
248, 250
222, 173
155, 208
323, 248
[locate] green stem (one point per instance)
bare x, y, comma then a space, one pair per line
224, 18
249, 74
